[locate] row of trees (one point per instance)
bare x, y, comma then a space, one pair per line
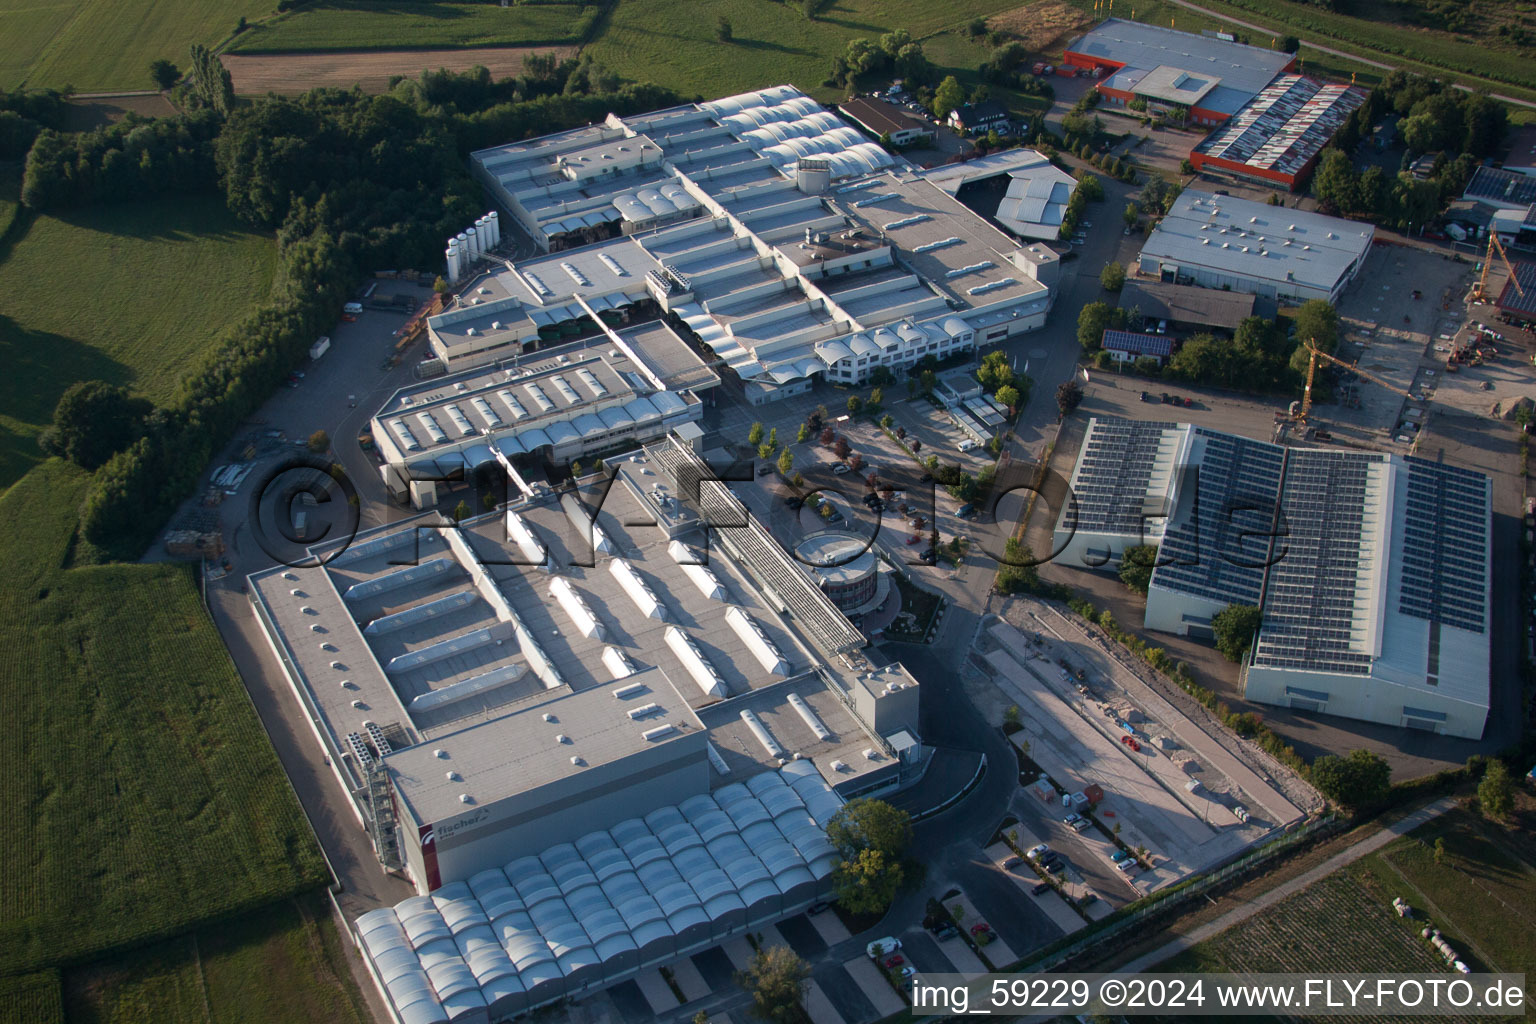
896, 53
1089, 190
134, 159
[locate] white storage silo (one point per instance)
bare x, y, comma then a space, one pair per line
495, 221
483, 235
455, 267
464, 258
472, 238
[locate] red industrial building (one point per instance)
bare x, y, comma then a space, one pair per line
1277, 137
1210, 77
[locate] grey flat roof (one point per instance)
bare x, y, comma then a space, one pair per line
1282, 245
520, 751
743, 753
668, 357
1176, 85
1182, 303
1243, 70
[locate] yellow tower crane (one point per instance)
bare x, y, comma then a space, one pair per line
1494, 245
1300, 410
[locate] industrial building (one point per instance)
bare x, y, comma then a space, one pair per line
515, 698
1217, 241
562, 403
847, 569
886, 120
1189, 309
1209, 77
1371, 570
784, 243
1276, 137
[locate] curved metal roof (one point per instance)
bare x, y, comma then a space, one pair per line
516, 937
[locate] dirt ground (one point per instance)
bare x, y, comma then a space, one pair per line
1041, 26
87, 112
372, 69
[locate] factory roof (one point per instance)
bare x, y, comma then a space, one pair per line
458, 637
515, 937
1036, 201
529, 402
882, 118
1241, 70
1520, 301
1243, 238
1175, 85
1364, 563
950, 177
1285, 126
1187, 304
1505, 189
836, 557
552, 735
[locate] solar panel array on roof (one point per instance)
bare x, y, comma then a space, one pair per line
1285, 125
1137, 343
1500, 186
1114, 471
1445, 546
1309, 602
1220, 551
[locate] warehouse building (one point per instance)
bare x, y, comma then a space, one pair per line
1189, 309
1210, 77
1276, 138
1221, 242
779, 239
568, 402
1371, 570
533, 693
886, 120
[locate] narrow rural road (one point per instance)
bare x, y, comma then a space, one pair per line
1363, 848
1188, 6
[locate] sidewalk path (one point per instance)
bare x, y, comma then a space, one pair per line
1361, 849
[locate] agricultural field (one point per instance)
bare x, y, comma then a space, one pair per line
282, 963
371, 70
1306, 933
125, 293
31, 999
142, 795
1482, 895
100, 46
369, 25
674, 44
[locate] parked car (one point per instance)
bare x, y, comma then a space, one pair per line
1055, 867
818, 908
966, 445
945, 931
841, 468
1034, 852
915, 538
966, 511
892, 962
1146, 397
981, 928
1118, 856
881, 947
794, 501
1009, 863
1128, 866
764, 470
1041, 887
1072, 819
1080, 824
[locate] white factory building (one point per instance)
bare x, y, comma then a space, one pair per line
595, 739
1372, 570
780, 239
561, 403
1218, 241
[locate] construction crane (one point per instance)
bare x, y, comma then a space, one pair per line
1300, 410
1494, 245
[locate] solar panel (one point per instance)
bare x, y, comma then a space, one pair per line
1219, 549
1445, 546
1311, 592
1113, 474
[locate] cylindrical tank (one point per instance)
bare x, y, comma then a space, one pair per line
453, 265
495, 219
473, 238
463, 240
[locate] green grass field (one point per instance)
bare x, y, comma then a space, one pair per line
128, 294
1482, 896
31, 999
370, 25
674, 44
282, 963
97, 45
142, 794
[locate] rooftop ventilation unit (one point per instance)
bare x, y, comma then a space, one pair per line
658, 732
632, 690
644, 711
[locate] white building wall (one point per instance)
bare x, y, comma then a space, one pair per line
1365, 698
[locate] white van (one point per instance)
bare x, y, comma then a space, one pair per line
882, 947
352, 308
